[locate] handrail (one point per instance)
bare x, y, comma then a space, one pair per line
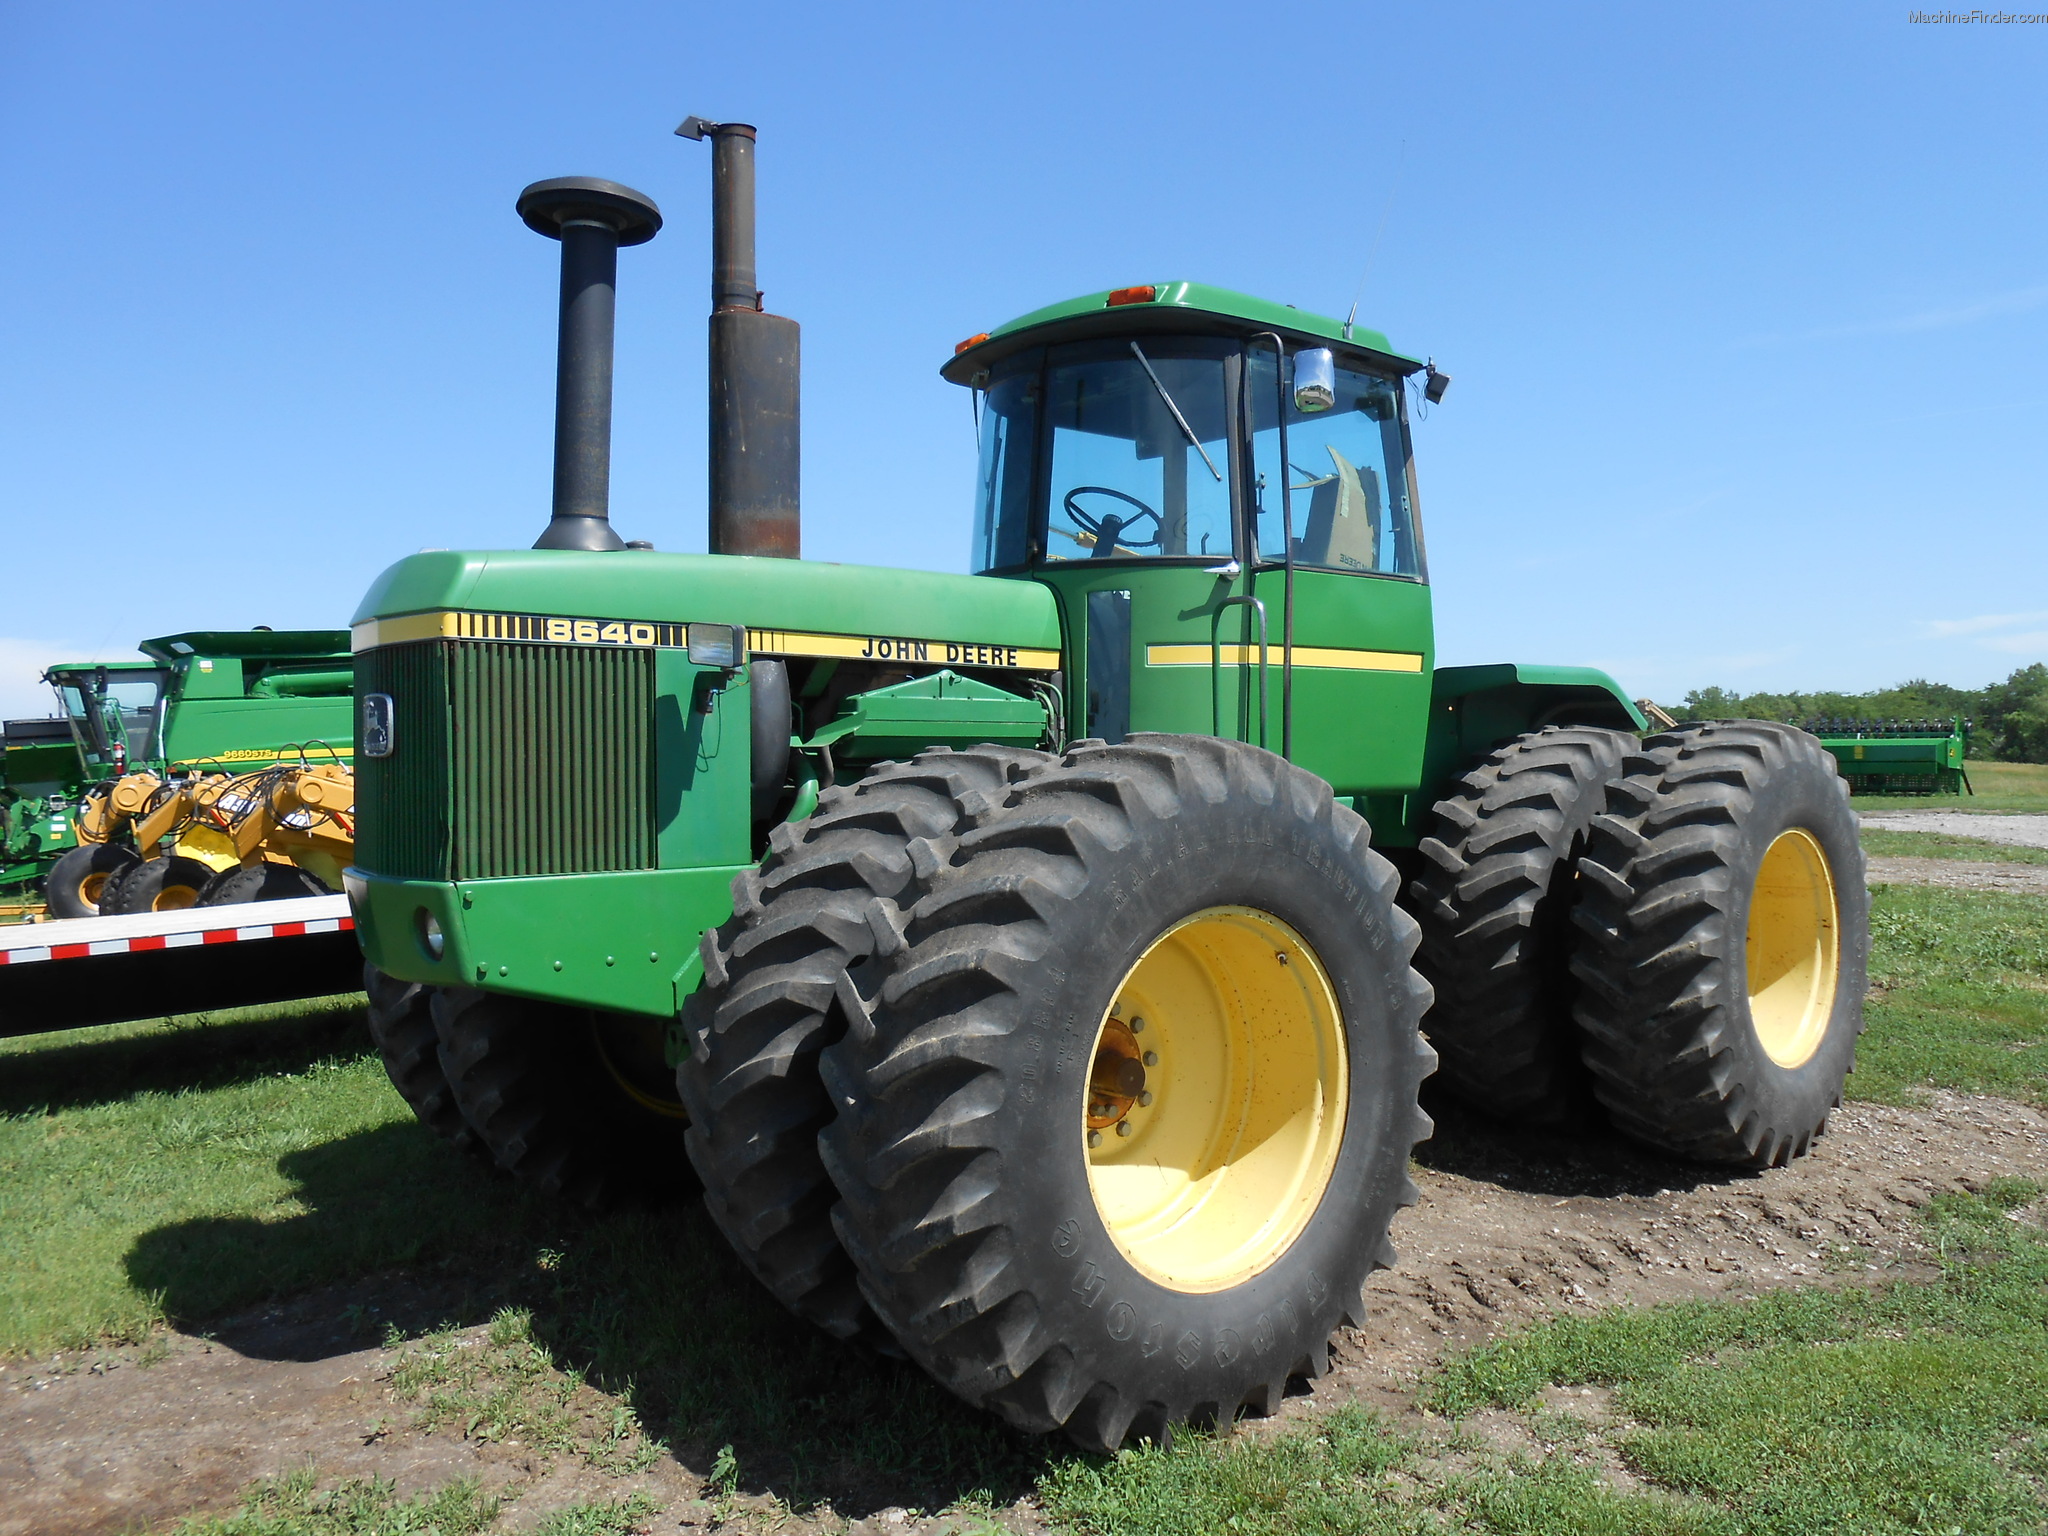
1216, 663
1287, 546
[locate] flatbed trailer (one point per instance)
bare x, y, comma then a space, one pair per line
107, 970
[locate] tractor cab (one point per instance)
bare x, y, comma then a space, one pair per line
1221, 493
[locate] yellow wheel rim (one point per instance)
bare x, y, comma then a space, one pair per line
92, 887
1216, 1103
174, 898
1794, 949
632, 1054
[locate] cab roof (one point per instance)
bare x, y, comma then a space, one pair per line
1161, 307
250, 644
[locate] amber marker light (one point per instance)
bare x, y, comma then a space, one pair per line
972, 341
1144, 293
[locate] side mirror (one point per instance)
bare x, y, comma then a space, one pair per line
1434, 384
1315, 381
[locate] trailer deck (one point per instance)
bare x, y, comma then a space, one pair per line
105, 970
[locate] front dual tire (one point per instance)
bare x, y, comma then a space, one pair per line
1119, 1084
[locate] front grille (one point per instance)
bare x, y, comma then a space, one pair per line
508, 759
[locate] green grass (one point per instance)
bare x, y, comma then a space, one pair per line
297, 1505
1960, 998
1940, 845
184, 1171
1999, 786
1917, 1408
1920, 1406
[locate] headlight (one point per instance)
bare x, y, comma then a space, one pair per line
717, 645
432, 939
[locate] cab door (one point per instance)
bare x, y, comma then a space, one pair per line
1363, 640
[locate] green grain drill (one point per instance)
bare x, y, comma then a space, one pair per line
1899, 757
1035, 969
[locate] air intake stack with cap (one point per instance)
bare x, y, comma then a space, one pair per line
756, 446
592, 219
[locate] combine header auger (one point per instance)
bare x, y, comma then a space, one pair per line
221, 839
1039, 1002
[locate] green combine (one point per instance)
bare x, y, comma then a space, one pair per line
1037, 968
205, 699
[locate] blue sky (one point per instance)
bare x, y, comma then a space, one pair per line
1747, 306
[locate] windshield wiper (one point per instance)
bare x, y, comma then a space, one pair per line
1146, 363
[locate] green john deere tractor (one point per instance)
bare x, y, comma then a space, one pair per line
1037, 968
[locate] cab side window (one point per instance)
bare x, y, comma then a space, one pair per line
1347, 472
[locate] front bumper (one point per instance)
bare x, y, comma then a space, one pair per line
626, 943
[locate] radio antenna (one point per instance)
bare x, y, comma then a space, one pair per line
1400, 165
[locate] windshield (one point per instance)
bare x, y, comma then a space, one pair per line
1138, 462
126, 713
1348, 476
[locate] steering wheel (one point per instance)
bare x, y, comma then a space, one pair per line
1109, 529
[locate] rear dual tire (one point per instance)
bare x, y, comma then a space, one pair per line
1723, 943
1494, 897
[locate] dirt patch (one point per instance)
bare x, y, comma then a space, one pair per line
1510, 1228
119, 1439
1960, 875
1513, 1227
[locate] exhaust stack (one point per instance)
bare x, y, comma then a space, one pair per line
756, 371
592, 219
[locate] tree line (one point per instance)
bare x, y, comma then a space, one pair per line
2008, 720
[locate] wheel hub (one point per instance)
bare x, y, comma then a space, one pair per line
1793, 948
1216, 1100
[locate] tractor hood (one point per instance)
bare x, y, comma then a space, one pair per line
856, 608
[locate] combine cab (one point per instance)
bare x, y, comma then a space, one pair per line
1037, 967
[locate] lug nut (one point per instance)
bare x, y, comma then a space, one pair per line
1151, 1058
1137, 1026
1123, 1127
1095, 1138
1145, 1099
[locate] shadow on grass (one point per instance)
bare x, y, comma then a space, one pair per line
1588, 1159
107, 1063
648, 1304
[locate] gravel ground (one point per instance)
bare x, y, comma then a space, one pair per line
2015, 831
1960, 875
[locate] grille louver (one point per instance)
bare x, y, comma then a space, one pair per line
508, 759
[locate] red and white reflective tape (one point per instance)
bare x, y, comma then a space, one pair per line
80, 938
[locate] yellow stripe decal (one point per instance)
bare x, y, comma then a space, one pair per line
555, 630
1325, 656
